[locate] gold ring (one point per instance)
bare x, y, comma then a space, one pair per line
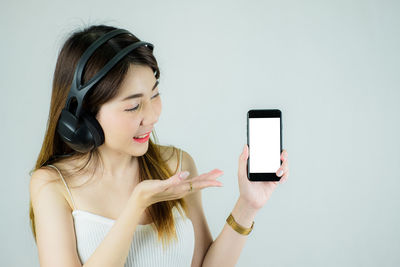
191, 188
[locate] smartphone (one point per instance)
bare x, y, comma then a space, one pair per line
264, 139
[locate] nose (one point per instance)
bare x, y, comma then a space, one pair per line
150, 113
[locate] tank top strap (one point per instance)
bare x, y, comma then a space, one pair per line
180, 160
66, 186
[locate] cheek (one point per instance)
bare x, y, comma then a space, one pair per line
158, 107
119, 127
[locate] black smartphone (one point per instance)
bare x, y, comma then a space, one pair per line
264, 138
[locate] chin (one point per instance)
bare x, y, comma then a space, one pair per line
140, 149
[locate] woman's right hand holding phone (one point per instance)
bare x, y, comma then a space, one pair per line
149, 192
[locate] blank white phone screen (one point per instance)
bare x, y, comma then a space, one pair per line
264, 145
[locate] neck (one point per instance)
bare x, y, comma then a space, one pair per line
117, 165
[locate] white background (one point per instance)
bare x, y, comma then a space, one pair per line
332, 67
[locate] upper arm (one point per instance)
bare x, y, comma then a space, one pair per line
55, 236
203, 237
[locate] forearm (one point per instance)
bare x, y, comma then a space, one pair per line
226, 248
114, 249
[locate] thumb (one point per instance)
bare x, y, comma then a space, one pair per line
175, 179
243, 160
184, 174
245, 153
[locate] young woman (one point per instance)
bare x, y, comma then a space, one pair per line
126, 201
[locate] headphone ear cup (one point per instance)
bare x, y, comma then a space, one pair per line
81, 135
94, 127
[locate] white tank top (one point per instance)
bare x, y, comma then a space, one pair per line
145, 249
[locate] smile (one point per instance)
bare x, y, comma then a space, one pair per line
143, 139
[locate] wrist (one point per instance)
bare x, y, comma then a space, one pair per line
137, 201
243, 213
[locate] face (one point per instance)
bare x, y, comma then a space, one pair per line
124, 117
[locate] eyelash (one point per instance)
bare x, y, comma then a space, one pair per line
135, 108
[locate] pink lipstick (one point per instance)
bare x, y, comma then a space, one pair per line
142, 140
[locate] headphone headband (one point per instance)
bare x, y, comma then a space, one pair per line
77, 89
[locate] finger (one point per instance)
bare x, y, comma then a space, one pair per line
284, 178
183, 175
209, 175
284, 155
173, 180
212, 181
206, 183
283, 169
208, 179
201, 184
182, 189
243, 161
213, 175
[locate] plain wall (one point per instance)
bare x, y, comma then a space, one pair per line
332, 67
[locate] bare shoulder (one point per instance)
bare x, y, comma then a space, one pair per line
54, 227
168, 153
171, 155
49, 178
46, 179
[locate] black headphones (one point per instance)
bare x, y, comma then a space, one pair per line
79, 129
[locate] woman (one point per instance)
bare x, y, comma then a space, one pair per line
120, 202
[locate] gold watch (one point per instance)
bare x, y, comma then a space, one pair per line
237, 227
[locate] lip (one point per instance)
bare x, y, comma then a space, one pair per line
142, 140
143, 133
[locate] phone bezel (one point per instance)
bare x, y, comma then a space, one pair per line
263, 113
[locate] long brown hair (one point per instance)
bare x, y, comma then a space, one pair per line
151, 164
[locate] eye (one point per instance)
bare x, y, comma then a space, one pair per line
135, 108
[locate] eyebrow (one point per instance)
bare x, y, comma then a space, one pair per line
140, 95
